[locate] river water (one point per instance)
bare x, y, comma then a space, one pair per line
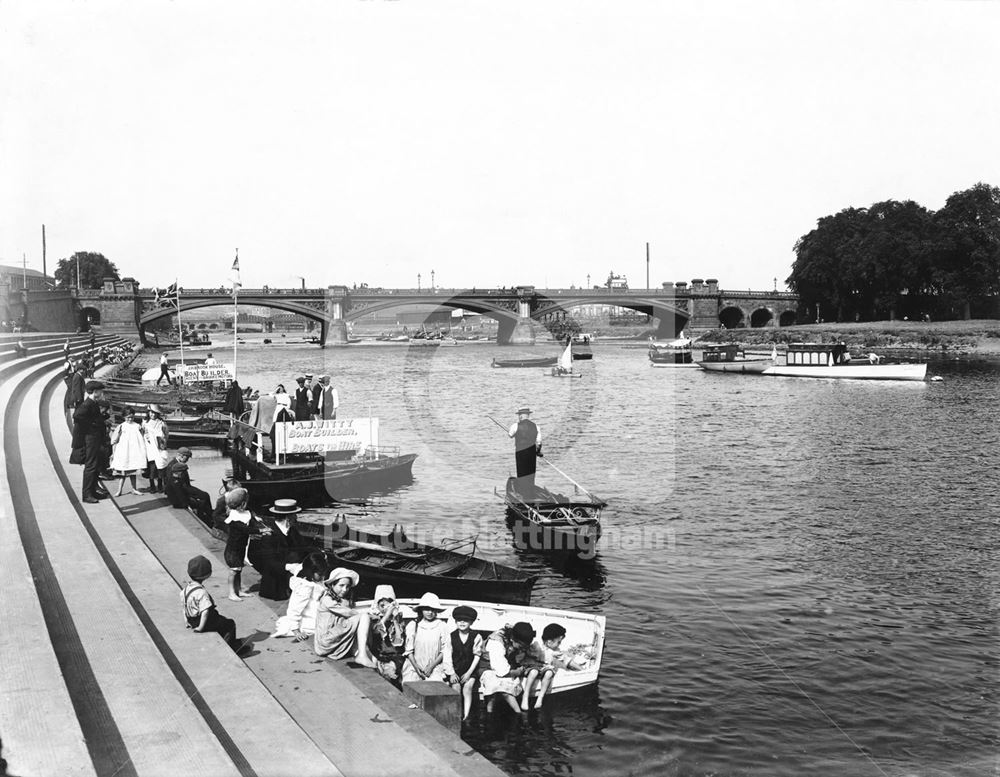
799, 576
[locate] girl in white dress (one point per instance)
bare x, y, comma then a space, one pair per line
155, 433
428, 642
129, 455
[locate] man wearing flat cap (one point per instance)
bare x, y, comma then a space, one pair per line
88, 435
302, 405
527, 447
325, 404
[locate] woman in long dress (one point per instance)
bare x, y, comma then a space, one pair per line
128, 457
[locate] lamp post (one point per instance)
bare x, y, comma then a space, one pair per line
418, 281
588, 280
432, 280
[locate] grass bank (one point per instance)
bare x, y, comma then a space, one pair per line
980, 337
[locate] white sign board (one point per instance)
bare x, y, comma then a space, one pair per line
320, 436
199, 373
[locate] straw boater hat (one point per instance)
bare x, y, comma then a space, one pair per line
285, 507
524, 411
429, 601
341, 572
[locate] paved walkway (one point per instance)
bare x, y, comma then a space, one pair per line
99, 674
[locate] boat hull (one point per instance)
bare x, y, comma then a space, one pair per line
318, 485
745, 367
545, 523
585, 633
413, 568
548, 361
915, 372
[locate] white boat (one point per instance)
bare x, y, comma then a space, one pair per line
672, 353
810, 360
832, 360
732, 358
564, 368
584, 639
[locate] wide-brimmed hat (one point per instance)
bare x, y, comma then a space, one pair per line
341, 572
524, 411
384, 592
464, 613
522, 632
285, 507
429, 601
156, 409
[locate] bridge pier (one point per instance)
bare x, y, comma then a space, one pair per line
334, 333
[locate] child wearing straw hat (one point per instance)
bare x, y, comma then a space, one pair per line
341, 631
427, 642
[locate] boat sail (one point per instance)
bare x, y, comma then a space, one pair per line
564, 369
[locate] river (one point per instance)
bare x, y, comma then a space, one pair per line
799, 576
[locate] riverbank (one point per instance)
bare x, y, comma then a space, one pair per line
979, 337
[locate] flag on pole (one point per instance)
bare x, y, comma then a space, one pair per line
235, 274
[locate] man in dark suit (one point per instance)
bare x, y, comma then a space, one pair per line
75, 390
279, 543
89, 431
302, 406
179, 490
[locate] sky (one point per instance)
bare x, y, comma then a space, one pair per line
489, 143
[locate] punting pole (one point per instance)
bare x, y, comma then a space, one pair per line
552, 465
180, 329
236, 314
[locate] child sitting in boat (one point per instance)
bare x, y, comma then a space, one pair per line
307, 586
466, 652
341, 632
427, 641
503, 664
387, 636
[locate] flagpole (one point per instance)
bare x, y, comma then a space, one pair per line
180, 329
236, 315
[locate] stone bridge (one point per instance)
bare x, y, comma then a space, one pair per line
125, 307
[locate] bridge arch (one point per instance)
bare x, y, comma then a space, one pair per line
194, 304
672, 318
732, 317
787, 318
761, 317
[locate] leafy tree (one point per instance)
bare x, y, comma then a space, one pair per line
967, 259
896, 256
94, 268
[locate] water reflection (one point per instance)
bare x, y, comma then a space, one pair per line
543, 742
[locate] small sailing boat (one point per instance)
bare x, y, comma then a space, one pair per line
564, 369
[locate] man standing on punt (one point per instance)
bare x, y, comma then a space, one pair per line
527, 447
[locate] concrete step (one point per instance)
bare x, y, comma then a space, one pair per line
134, 713
38, 721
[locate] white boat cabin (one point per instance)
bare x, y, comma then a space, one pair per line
721, 353
816, 354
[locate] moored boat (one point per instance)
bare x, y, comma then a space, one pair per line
412, 568
583, 643
732, 358
811, 360
672, 353
543, 361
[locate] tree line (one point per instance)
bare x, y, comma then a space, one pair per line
898, 259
